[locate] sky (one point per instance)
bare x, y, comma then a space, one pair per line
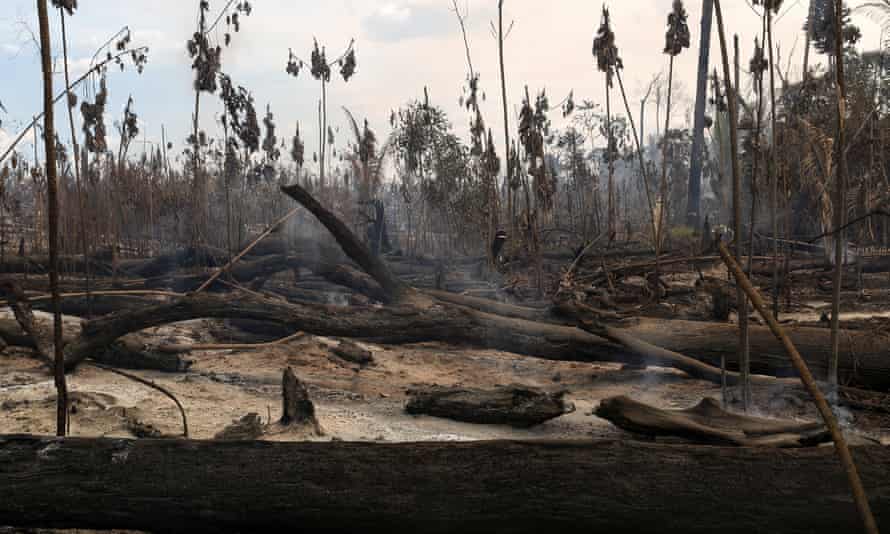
402, 46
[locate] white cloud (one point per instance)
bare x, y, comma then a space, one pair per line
394, 12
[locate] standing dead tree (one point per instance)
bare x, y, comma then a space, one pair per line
676, 39
49, 137
74, 145
741, 299
609, 62
840, 195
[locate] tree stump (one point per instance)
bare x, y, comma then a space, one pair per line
297, 407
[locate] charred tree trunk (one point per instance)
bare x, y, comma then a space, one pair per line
53, 209
517, 406
497, 486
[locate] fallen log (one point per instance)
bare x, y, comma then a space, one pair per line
514, 405
95, 305
243, 272
128, 354
495, 486
707, 423
125, 353
40, 264
201, 256
864, 355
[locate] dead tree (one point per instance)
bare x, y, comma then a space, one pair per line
53, 201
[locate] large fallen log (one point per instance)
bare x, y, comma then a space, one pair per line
202, 256
129, 354
514, 405
96, 305
125, 352
496, 486
242, 272
864, 355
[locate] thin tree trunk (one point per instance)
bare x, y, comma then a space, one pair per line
320, 146
659, 237
774, 167
840, 203
741, 299
693, 204
49, 138
324, 129
610, 214
755, 167
77, 177
227, 177
197, 231
509, 166
640, 155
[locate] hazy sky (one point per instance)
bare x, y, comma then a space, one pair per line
401, 45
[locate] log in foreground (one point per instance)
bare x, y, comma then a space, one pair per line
496, 486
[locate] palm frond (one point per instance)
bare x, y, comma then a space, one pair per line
356, 131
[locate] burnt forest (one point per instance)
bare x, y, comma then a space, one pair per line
445, 266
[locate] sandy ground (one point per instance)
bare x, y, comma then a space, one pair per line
352, 403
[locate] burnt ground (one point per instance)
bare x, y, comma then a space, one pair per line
367, 403
352, 403
356, 403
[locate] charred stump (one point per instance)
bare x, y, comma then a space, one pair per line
297, 407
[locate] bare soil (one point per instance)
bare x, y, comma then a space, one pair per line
352, 403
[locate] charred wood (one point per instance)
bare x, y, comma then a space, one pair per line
570, 486
514, 405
